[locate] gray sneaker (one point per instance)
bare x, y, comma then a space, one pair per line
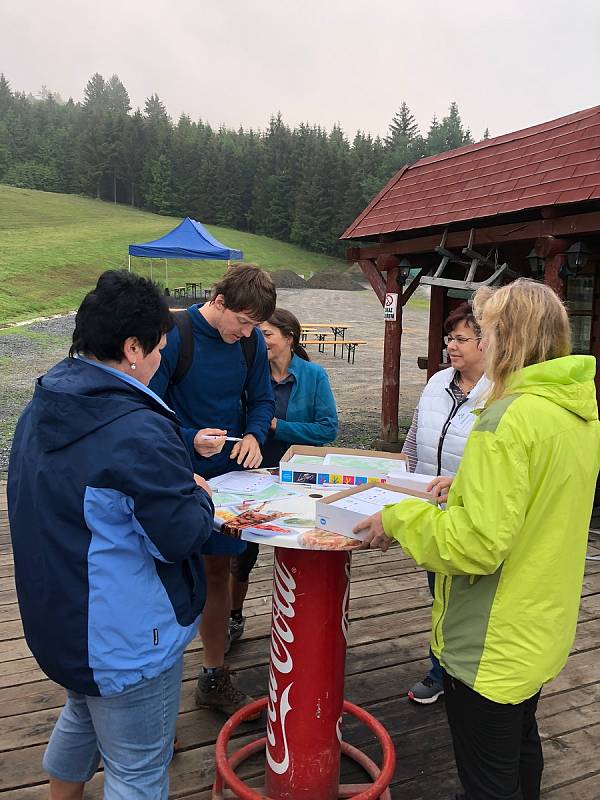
218, 692
236, 629
426, 691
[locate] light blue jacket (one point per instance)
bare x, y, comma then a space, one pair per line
311, 416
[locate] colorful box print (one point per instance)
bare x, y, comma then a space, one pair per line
323, 477
287, 477
335, 478
348, 480
305, 477
359, 479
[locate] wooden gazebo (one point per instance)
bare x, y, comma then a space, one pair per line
527, 203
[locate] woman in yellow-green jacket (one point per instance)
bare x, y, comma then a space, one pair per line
509, 549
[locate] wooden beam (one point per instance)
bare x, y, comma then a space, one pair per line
552, 276
373, 275
410, 289
436, 329
390, 389
573, 225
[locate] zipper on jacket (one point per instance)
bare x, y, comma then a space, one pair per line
441, 617
451, 415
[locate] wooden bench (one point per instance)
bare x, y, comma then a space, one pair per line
318, 336
351, 344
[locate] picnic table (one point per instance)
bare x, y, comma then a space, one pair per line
192, 289
305, 705
337, 328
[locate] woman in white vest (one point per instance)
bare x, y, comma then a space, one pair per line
440, 427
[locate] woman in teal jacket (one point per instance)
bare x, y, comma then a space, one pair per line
305, 413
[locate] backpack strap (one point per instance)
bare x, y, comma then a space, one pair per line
185, 356
183, 322
249, 350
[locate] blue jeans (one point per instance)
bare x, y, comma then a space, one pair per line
132, 732
436, 673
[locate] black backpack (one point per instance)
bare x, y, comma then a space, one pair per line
183, 323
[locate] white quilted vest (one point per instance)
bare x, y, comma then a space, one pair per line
441, 417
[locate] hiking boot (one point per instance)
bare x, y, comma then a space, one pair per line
216, 691
426, 691
236, 628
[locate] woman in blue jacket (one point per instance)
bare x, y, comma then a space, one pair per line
107, 524
305, 413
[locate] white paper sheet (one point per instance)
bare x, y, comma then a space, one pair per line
370, 502
242, 482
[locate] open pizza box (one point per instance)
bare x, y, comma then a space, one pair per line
331, 466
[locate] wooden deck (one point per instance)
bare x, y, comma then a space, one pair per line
390, 612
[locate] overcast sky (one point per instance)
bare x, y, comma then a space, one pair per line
508, 64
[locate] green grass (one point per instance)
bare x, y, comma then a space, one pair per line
54, 246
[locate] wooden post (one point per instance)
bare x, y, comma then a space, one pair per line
390, 390
436, 329
552, 277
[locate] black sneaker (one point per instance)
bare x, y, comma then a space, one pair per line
236, 628
426, 691
217, 691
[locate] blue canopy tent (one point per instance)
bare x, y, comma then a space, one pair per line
190, 240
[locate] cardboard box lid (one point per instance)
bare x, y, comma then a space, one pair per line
390, 487
309, 450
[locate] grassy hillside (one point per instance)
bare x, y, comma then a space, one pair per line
53, 246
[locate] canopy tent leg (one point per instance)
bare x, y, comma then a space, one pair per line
150, 269
129, 262
166, 275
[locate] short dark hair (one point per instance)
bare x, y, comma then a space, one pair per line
462, 313
246, 287
122, 305
288, 324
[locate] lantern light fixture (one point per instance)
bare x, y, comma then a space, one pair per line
536, 265
577, 257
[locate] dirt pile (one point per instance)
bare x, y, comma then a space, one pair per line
287, 279
329, 279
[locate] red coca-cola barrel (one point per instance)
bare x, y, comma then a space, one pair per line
306, 676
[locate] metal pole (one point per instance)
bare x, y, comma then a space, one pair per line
166, 275
129, 262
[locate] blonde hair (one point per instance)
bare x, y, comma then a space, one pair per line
524, 323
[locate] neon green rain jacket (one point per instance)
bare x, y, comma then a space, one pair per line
509, 550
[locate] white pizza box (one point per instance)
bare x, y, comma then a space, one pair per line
318, 472
340, 512
415, 480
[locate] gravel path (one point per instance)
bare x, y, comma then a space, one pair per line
29, 351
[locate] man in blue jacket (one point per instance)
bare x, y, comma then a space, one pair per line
223, 389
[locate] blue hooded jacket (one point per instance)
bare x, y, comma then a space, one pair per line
107, 524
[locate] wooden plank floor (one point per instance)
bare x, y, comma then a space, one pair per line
390, 613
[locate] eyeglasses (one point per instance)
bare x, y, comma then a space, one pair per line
460, 340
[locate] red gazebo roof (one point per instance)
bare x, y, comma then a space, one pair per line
554, 163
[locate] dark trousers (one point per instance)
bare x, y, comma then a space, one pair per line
497, 746
435, 673
243, 564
